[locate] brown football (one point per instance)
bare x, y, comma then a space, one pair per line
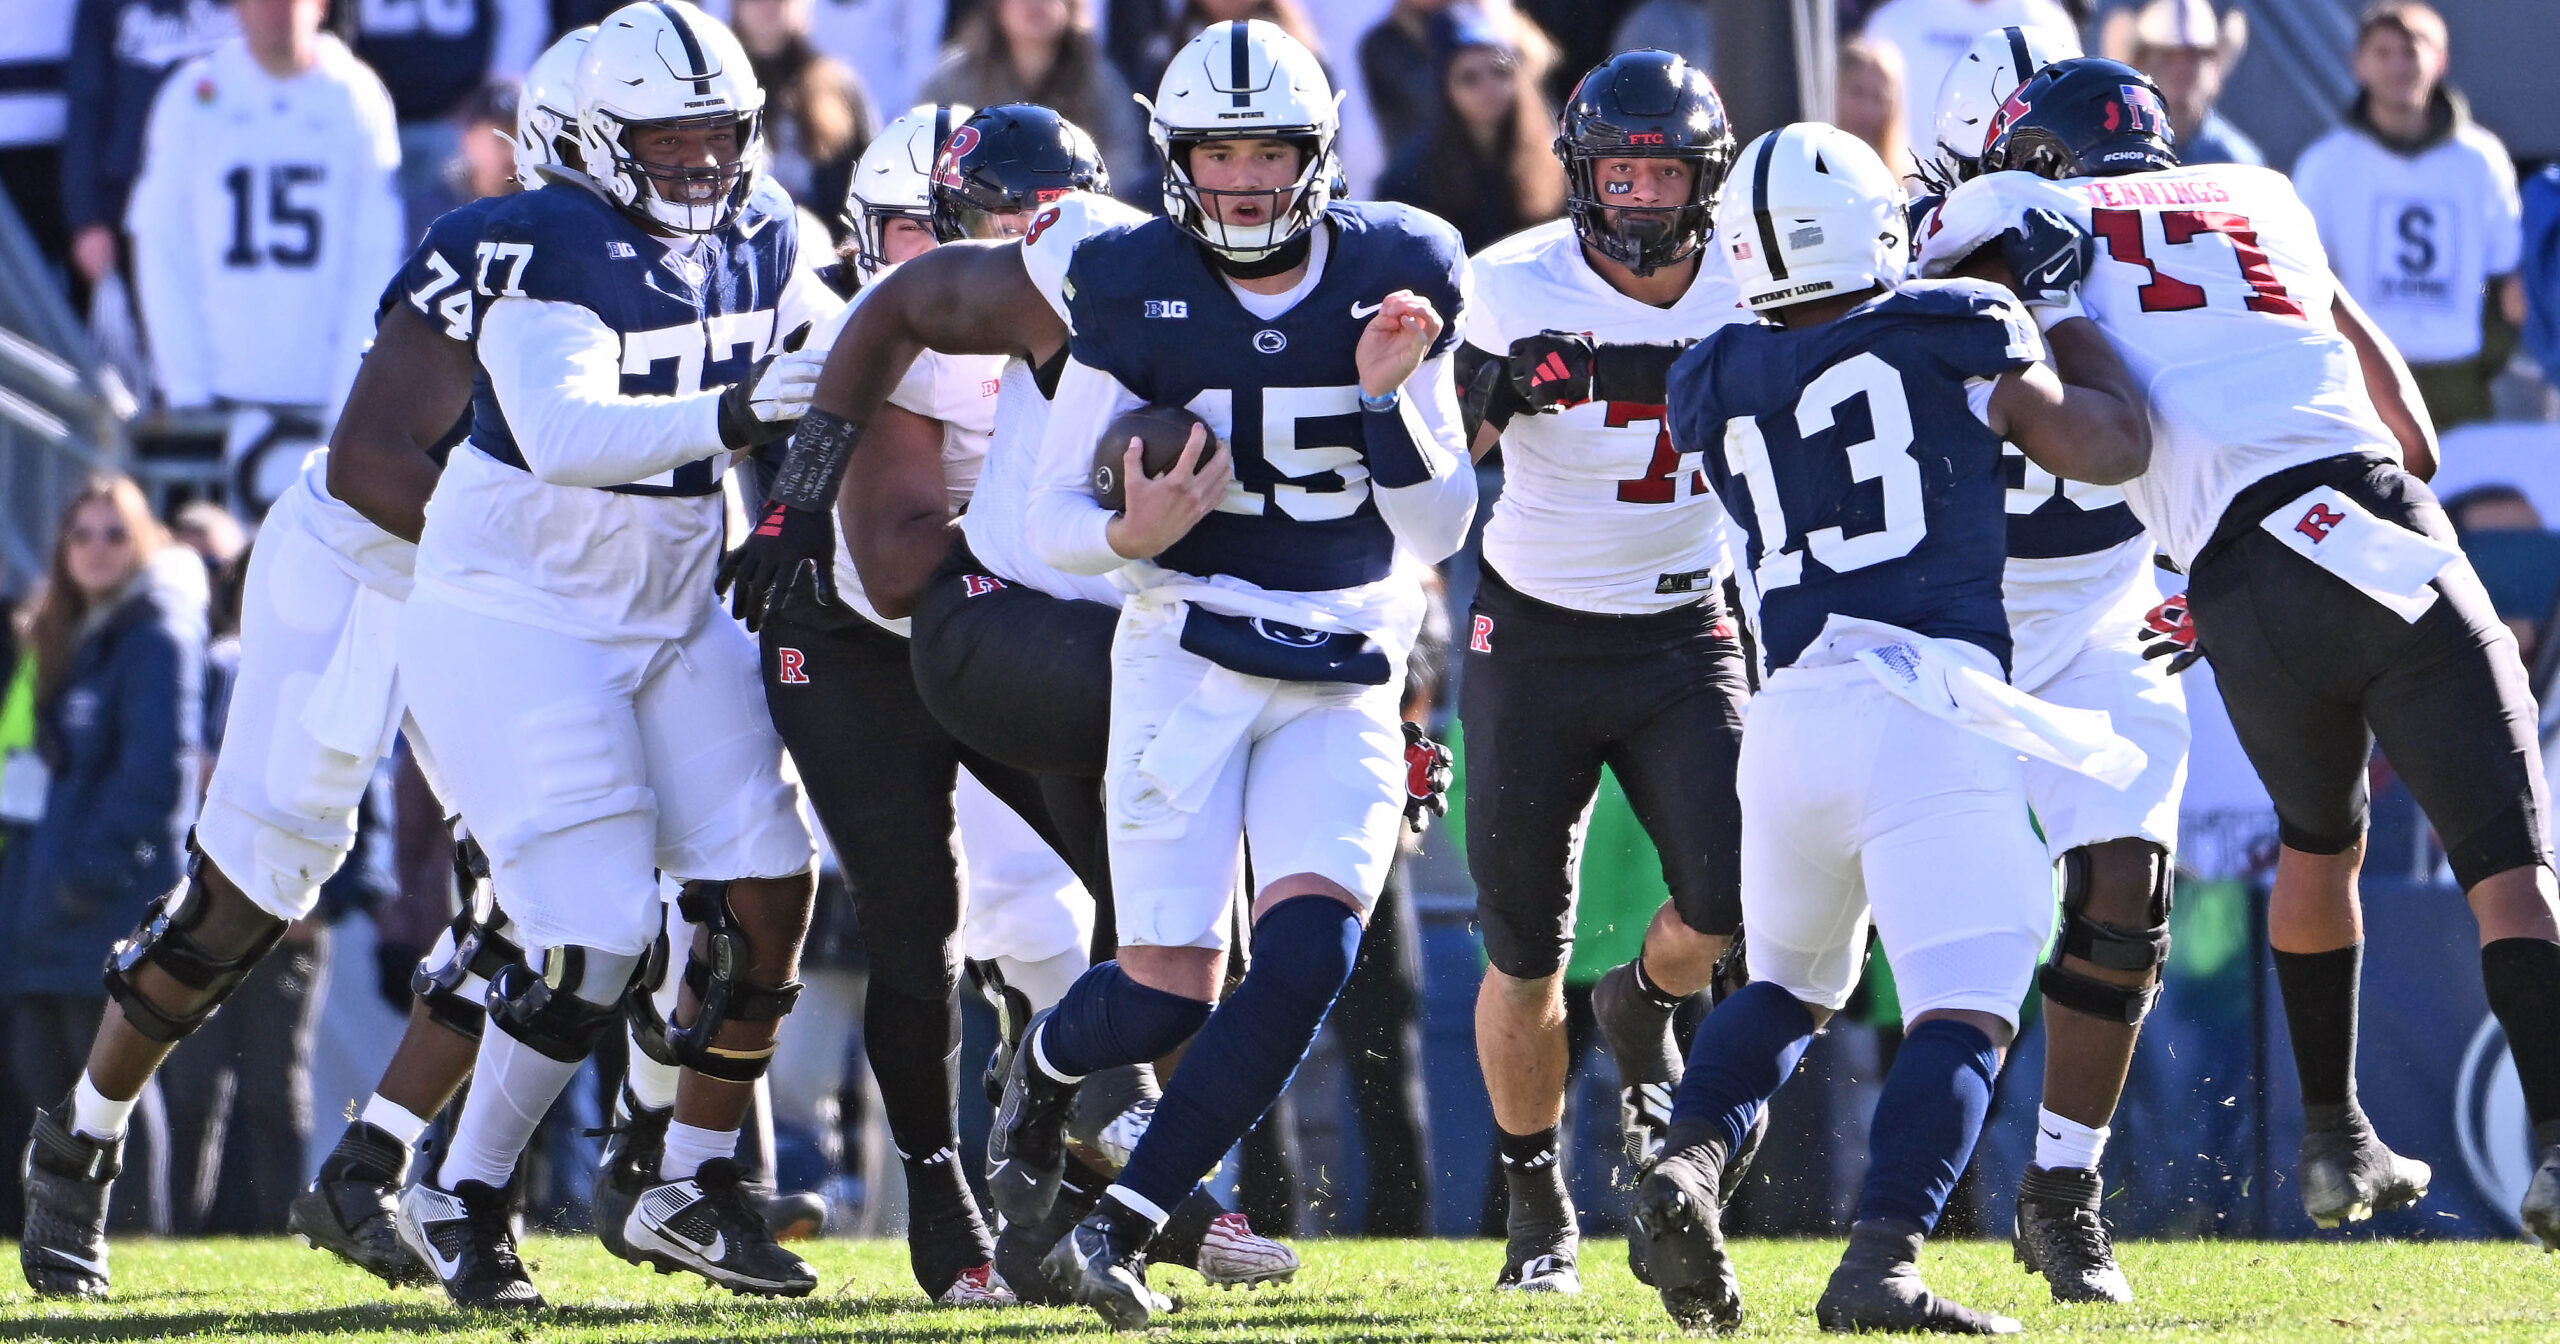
1161, 431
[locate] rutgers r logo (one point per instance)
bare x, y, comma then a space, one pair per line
979, 585
790, 667
2317, 523
1480, 638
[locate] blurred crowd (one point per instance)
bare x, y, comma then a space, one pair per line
222, 189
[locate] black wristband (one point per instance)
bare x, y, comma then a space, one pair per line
813, 467
1637, 373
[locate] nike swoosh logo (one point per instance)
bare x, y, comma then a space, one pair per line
718, 1250
97, 1267
1361, 312
636, 82
2053, 1134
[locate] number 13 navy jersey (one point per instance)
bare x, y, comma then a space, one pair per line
1852, 458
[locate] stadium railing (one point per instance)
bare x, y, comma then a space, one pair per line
61, 418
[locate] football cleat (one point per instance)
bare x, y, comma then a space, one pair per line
1096, 1270
465, 1238
352, 1208
799, 1216
710, 1225
2061, 1234
2541, 1211
1682, 1220
1233, 1255
1026, 1146
977, 1286
1638, 1033
1019, 1246
2348, 1175
1877, 1287
67, 1176
629, 1165
946, 1239
1545, 1272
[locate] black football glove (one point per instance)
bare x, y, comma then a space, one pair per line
768, 403
1552, 370
787, 545
2048, 256
1427, 770
1489, 400
2169, 632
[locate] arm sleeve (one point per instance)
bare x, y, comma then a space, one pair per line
1430, 518
1065, 526
161, 219
557, 372
373, 231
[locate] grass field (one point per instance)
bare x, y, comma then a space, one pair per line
1376, 1290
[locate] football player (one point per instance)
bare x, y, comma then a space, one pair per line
601, 713
1254, 693
322, 596
1600, 634
2322, 580
1013, 655
2079, 589
1856, 441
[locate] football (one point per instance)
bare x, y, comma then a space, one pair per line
1161, 430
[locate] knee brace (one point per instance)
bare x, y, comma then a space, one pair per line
481, 949
721, 987
171, 936
640, 1005
567, 1005
2107, 945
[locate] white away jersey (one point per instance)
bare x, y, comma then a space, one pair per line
265, 223
1598, 511
2213, 286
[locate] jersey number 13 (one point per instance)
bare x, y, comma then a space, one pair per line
1884, 456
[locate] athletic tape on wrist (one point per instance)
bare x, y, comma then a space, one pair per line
814, 466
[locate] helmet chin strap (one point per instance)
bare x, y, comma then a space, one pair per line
1277, 261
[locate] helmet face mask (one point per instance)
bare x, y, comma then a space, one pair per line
1290, 207
1643, 105
1000, 166
661, 66
1245, 80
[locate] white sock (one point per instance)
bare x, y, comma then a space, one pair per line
652, 1084
1047, 981
2063, 1143
689, 1146
96, 1115
393, 1119
512, 1085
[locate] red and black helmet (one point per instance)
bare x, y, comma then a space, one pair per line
1015, 157
1644, 105
2085, 117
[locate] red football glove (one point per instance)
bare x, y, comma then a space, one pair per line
1427, 767
2169, 632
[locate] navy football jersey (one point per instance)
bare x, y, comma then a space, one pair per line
1851, 457
436, 281
1147, 308
689, 321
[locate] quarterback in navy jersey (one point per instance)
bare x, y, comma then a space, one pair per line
1856, 441
1270, 605
332, 567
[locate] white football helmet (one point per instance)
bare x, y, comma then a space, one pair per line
894, 179
658, 63
1811, 212
547, 110
1975, 87
1245, 79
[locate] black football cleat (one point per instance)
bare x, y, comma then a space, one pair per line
1108, 1273
2541, 1211
2061, 1234
1020, 1246
947, 1240
352, 1208
465, 1237
2349, 1175
1681, 1216
710, 1224
1026, 1146
1877, 1287
632, 1149
67, 1176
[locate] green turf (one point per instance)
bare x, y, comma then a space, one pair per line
1388, 1291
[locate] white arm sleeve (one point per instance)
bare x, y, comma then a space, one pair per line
1431, 518
557, 371
161, 219
1065, 525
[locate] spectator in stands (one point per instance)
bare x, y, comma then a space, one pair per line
817, 120
1685, 27
2187, 51
484, 161
1487, 164
434, 55
891, 45
265, 222
1870, 100
1390, 53
119, 665
2417, 206
1186, 19
120, 51
35, 49
1044, 51
1932, 34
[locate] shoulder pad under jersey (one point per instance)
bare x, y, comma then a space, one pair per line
1058, 229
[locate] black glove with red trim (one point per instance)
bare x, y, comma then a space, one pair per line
1427, 770
2169, 632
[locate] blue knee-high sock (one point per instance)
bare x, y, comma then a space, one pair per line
1108, 1019
1926, 1122
1243, 1060
1742, 1053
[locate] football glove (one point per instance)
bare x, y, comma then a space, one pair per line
764, 405
1489, 400
1427, 768
786, 545
1553, 369
2169, 632
2048, 256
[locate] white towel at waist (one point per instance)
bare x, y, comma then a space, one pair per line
355, 706
1947, 678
